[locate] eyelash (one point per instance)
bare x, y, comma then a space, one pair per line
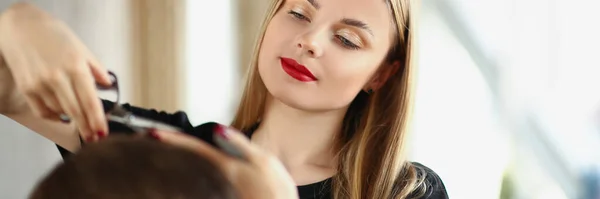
345, 42
299, 16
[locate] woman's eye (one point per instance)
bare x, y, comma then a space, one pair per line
347, 43
298, 15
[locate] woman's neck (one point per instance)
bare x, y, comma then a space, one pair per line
299, 138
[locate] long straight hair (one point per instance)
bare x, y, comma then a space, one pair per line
371, 146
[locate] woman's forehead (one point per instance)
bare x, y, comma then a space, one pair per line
373, 13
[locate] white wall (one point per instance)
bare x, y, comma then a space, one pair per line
24, 155
455, 130
212, 61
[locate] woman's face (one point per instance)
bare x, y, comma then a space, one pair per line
318, 54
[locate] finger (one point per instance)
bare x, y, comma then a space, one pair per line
45, 105
85, 132
38, 106
91, 106
68, 101
196, 145
99, 73
238, 143
50, 99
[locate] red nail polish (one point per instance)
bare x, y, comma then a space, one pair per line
152, 133
89, 138
101, 134
221, 131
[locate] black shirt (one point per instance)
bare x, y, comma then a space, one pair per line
319, 190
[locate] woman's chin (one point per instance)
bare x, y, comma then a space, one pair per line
306, 103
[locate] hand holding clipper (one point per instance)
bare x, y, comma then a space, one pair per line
120, 115
254, 173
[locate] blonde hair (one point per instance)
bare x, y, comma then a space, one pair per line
371, 145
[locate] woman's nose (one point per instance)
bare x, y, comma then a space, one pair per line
310, 46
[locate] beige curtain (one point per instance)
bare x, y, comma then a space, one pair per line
251, 14
158, 49
158, 35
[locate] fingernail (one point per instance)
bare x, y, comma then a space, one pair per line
89, 138
153, 134
221, 131
101, 134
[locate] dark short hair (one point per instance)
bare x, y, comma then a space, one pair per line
134, 168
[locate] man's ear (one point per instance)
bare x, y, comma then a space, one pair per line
382, 76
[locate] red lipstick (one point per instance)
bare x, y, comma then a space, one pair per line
296, 70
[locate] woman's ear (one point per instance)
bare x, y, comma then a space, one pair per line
382, 76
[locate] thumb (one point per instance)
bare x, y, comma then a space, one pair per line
100, 74
235, 143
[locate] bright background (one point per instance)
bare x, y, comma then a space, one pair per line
508, 104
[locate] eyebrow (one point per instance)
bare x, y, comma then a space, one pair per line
314, 3
358, 24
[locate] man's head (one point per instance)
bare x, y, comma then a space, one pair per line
127, 167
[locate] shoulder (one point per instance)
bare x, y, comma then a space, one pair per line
433, 184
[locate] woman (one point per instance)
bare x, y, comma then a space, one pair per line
327, 100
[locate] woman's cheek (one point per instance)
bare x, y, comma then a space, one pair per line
348, 66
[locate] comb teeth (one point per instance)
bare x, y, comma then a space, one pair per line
117, 110
119, 114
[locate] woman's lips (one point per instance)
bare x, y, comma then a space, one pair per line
296, 70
